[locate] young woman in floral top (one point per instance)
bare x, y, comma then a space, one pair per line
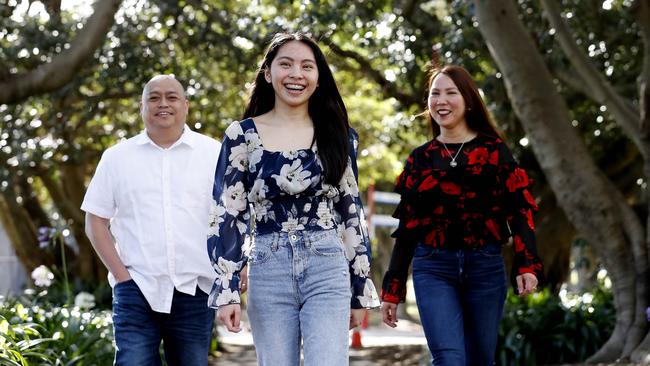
293, 161
462, 196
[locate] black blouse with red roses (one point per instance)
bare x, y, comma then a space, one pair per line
484, 199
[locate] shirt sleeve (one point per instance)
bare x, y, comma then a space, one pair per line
100, 195
355, 232
393, 287
229, 218
519, 206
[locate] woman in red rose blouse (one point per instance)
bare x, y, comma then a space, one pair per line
462, 196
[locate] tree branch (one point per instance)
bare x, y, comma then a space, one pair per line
641, 11
388, 88
51, 76
601, 91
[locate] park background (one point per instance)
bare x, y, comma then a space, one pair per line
566, 80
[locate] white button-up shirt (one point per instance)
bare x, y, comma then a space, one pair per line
158, 201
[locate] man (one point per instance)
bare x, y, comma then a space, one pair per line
147, 212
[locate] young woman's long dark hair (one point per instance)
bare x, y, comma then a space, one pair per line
476, 113
326, 107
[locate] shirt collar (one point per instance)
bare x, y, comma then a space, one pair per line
187, 138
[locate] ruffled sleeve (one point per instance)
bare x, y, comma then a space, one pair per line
519, 206
394, 283
355, 232
229, 217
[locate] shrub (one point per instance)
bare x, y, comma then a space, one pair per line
547, 329
36, 332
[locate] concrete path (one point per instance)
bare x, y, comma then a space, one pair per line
382, 345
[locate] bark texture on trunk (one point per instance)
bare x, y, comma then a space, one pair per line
589, 199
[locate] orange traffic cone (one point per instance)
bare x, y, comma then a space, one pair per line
356, 333
356, 338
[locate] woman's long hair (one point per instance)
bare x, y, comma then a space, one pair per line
326, 108
476, 113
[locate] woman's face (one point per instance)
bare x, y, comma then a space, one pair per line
446, 104
293, 73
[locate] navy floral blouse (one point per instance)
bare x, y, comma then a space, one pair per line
283, 192
484, 199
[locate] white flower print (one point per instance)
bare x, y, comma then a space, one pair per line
234, 130
369, 299
348, 184
293, 179
225, 270
292, 224
352, 242
215, 217
361, 266
254, 149
234, 199
325, 216
239, 157
291, 155
258, 191
228, 296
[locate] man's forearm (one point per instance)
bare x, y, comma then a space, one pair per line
97, 230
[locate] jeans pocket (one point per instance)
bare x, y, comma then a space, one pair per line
259, 254
327, 246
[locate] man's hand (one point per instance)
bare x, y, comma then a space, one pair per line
389, 313
229, 315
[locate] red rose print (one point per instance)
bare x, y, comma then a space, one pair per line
517, 179
428, 183
493, 228
531, 201
519, 245
478, 156
494, 157
450, 188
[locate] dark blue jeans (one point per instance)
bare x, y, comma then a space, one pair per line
460, 296
185, 332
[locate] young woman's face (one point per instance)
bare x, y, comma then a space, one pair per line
293, 74
446, 104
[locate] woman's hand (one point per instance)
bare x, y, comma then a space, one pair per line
389, 313
229, 315
357, 316
526, 284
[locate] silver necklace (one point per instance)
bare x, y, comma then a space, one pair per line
453, 162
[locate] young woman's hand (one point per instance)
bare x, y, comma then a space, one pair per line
526, 284
357, 316
389, 313
229, 315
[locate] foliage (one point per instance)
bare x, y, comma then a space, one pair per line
546, 329
35, 331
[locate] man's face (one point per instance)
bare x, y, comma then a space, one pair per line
163, 104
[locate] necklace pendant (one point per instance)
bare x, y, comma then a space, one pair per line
453, 163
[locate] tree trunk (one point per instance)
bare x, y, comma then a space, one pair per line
22, 233
586, 196
67, 197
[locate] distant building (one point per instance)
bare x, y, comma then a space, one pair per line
12, 273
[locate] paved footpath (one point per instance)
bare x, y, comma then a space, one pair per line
382, 346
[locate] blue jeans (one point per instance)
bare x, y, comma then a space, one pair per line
185, 332
299, 289
460, 296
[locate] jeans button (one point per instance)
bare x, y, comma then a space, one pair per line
293, 237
